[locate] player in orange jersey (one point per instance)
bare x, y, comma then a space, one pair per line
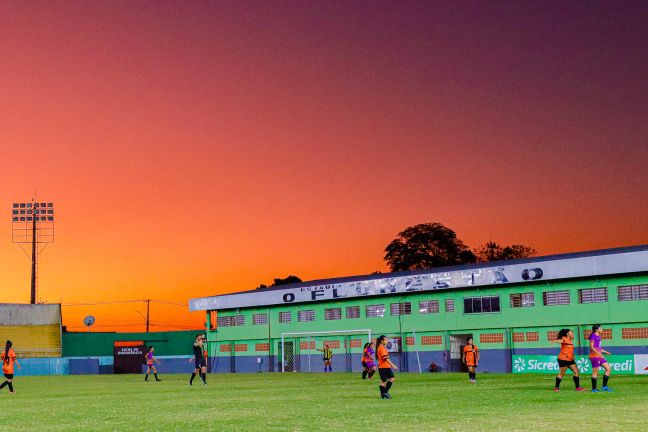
470, 358
566, 358
8, 357
385, 367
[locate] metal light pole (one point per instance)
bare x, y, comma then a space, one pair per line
32, 223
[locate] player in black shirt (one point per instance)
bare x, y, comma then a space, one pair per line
199, 360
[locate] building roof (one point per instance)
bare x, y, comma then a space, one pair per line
589, 263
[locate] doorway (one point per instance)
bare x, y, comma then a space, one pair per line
457, 344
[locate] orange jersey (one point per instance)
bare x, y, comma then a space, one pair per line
8, 362
383, 357
566, 349
471, 354
366, 357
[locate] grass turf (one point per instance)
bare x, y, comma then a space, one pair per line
313, 402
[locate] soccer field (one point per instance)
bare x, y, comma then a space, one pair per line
314, 402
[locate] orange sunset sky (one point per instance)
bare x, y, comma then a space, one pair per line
197, 148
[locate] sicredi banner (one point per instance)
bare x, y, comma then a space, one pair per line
641, 364
545, 364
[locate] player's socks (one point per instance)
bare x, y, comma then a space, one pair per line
156, 377
576, 381
3, 384
203, 376
593, 384
146, 377
606, 378
10, 387
388, 386
382, 390
364, 374
558, 380
193, 375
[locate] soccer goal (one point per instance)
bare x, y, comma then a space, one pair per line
304, 351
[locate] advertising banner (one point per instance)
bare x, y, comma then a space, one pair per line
545, 364
641, 364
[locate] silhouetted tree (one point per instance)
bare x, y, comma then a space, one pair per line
287, 280
426, 246
491, 251
291, 279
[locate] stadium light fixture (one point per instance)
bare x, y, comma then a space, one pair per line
32, 223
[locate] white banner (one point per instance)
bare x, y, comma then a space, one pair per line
588, 264
641, 364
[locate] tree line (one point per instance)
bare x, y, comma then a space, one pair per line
429, 245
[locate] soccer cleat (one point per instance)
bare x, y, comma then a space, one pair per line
158, 380
607, 389
556, 389
580, 388
473, 381
596, 391
387, 396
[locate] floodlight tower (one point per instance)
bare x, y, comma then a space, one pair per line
33, 223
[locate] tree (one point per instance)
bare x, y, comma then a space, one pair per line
491, 251
426, 246
291, 279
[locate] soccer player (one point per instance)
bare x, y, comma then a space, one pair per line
199, 360
328, 356
150, 359
385, 367
8, 357
597, 359
566, 358
368, 361
470, 358
364, 363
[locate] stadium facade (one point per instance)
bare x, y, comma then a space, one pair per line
510, 308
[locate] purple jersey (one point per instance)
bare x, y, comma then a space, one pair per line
370, 356
596, 339
149, 358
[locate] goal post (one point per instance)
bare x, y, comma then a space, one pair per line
303, 351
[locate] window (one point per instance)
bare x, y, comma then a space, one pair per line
353, 312
592, 295
333, 314
375, 311
401, 308
306, 315
285, 317
633, 292
449, 305
261, 347
231, 321
522, 300
555, 298
488, 304
429, 306
258, 319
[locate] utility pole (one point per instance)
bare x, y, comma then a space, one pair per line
148, 311
33, 262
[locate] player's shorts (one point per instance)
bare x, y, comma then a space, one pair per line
327, 359
385, 373
200, 362
597, 361
364, 364
370, 364
9, 376
149, 365
565, 363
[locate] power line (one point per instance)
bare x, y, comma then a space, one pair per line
125, 301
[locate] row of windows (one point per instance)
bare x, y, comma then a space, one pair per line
484, 338
472, 305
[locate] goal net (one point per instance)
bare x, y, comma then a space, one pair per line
304, 351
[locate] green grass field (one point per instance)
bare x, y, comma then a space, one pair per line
313, 402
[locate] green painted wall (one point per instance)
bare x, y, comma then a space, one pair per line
612, 314
91, 344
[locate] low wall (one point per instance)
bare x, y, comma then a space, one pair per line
94, 365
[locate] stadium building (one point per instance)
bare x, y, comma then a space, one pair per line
512, 309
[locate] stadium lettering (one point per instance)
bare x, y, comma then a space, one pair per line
336, 295
289, 298
532, 274
317, 293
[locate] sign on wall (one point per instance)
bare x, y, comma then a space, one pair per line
541, 269
546, 364
641, 364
